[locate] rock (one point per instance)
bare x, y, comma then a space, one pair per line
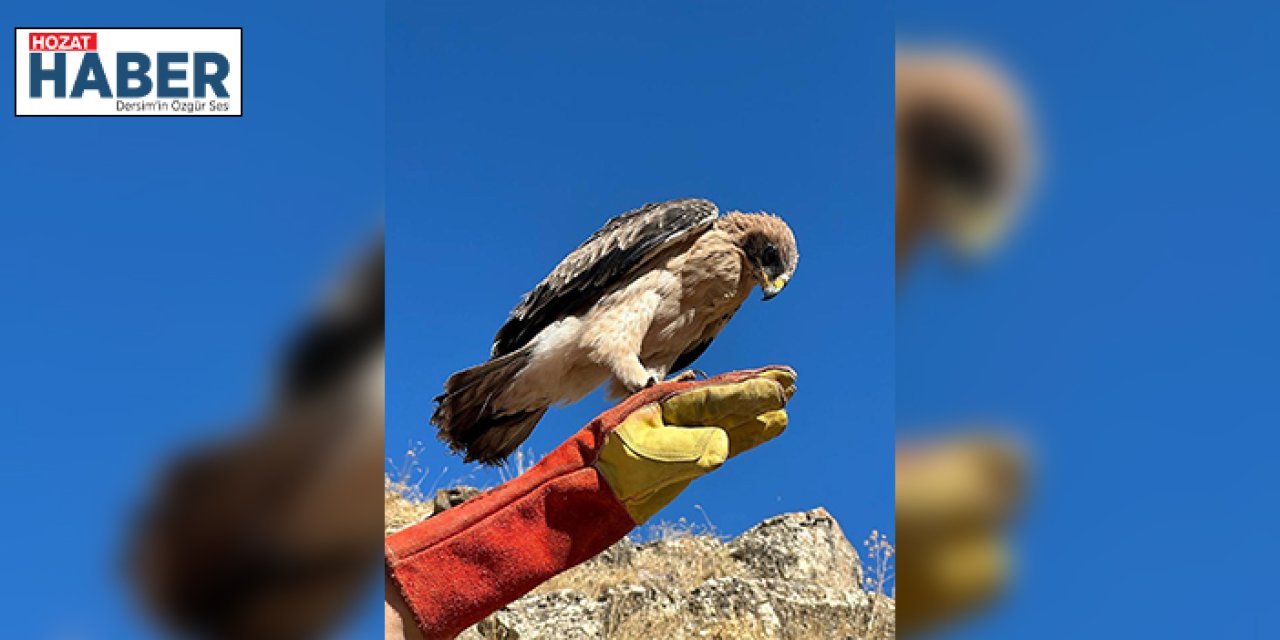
792, 577
622, 553
772, 608
558, 614
800, 546
449, 498
719, 608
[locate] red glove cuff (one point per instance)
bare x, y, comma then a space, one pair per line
456, 568
462, 565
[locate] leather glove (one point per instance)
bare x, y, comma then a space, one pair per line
658, 449
454, 569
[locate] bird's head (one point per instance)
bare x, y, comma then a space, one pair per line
963, 151
769, 249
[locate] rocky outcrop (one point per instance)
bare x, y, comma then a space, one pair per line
808, 547
452, 497
794, 576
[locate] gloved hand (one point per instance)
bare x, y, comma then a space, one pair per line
454, 569
659, 448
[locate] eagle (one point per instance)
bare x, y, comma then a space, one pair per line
642, 297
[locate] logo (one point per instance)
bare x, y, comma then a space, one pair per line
127, 72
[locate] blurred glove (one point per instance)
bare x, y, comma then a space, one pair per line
954, 503
454, 569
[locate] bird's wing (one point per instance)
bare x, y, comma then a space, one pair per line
698, 348
611, 254
692, 353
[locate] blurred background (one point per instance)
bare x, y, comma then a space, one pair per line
1124, 330
154, 273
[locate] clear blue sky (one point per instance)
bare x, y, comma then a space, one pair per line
150, 269
514, 134
1130, 326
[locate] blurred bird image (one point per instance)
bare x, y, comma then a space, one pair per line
642, 297
268, 533
963, 156
963, 152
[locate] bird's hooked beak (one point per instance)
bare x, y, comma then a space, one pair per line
773, 287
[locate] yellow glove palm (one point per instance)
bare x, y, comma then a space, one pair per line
658, 449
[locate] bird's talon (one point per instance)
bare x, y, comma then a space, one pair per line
688, 375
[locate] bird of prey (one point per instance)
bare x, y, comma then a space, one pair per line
642, 297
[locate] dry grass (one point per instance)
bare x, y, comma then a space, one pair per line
402, 505
879, 580
677, 555
404, 502
408, 498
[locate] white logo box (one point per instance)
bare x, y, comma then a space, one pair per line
171, 52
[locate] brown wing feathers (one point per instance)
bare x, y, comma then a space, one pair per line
622, 244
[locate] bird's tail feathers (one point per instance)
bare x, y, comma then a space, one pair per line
469, 422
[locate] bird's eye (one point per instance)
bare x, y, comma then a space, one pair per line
770, 255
